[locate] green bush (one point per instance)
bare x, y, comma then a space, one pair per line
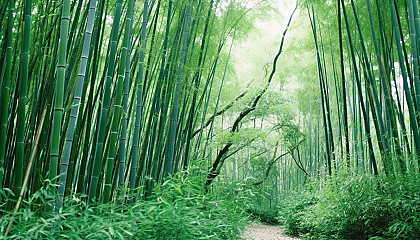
179, 209
356, 207
268, 216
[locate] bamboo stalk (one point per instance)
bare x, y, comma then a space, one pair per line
28, 171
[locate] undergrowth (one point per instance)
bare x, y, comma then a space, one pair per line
356, 207
179, 209
267, 216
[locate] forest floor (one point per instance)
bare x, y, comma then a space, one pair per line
259, 231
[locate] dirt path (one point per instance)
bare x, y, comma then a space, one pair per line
258, 231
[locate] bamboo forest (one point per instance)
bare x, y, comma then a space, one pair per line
210, 119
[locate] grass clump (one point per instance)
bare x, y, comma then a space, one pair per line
356, 207
178, 209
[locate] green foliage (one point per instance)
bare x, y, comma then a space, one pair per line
245, 136
264, 204
178, 210
273, 104
357, 207
268, 216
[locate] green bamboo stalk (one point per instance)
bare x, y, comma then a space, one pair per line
175, 108
23, 83
373, 93
85, 164
337, 98
416, 21
328, 107
382, 71
414, 51
139, 94
408, 65
408, 96
73, 46
321, 85
5, 93
150, 106
209, 83
59, 96
76, 102
106, 98
218, 97
343, 88
3, 8
196, 81
123, 142
158, 124
46, 57
117, 105
148, 80
359, 86
170, 158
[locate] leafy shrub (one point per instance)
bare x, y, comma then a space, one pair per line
292, 212
356, 207
269, 216
178, 210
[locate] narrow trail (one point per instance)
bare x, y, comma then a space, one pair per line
258, 231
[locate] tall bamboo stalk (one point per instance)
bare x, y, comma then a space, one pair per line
76, 102
106, 99
358, 82
59, 96
179, 76
139, 101
23, 84
343, 87
117, 106
5, 92
123, 142
408, 96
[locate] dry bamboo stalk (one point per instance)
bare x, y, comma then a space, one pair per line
28, 170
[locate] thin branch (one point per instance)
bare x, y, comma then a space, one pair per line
274, 160
227, 107
299, 163
239, 148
